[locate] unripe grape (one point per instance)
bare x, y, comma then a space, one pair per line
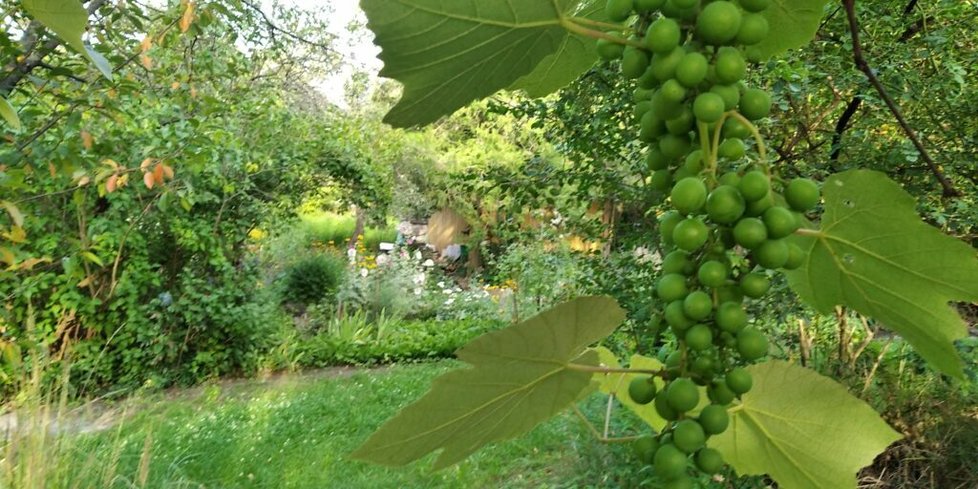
731, 317
682, 395
725, 205
772, 254
709, 461
730, 95
720, 393
699, 337
645, 448
641, 108
739, 381
730, 66
708, 107
670, 462
703, 365
634, 62
663, 35
718, 22
802, 194
688, 436
753, 29
796, 257
664, 64
651, 127
643, 6
675, 9
671, 287
663, 409
661, 180
731, 294
674, 147
694, 162
690, 234
755, 104
780, 222
680, 482
750, 232
755, 285
751, 344
698, 305
755, 5
677, 261
757, 208
685, 4
656, 160
618, 10
732, 149
667, 224
730, 178
673, 91
755, 185
647, 81
691, 70
712, 274
610, 50
680, 126
676, 317
641, 390
714, 419
689, 195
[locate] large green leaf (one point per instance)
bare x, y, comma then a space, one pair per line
875, 255
804, 430
9, 114
67, 18
575, 55
520, 378
793, 25
448, 54
616, 384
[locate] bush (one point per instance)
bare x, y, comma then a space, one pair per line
314, 278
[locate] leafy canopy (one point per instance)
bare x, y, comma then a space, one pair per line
803, 429
521, 377
875, 255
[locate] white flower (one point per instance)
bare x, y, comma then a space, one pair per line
450, 301
441, 285
364, 272
418, 291
417, 255
419, 279
428, 263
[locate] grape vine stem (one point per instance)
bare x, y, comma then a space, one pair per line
571, 24
607, 370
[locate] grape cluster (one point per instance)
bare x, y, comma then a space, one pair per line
729, 220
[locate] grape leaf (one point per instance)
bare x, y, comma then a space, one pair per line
617, 385
520, 379
9, 114
448, 54
804, 430
874, 254
68, 20
793, 25
575, 55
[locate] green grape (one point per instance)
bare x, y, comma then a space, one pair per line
718, 22
709, 461
731, 294
694, 162
690, 235
610, 50
751, 344
730, 95
750, 233
699, 337
691, 70
734, 128
714, 419
680, 126
731, 317
670, 462
682, 395
755, 5
702, 365
732, 149
673, 10
680, 482
689, 195
651, 127
755, 285
634, 62
641, 95
667, 224
802, 194
643, 6
656, 160
663, 36
688, 436
674, 147
671, 287
720, 393
618, 10
647, 81
661, 180
755, 104
673, 91
713, 274
676, 317
663, 408
677, 261
739, 381
682, 173
730, 178
685, 4
645, 448
641, 108
753, 29
641, 390
664, 64
730, 66
755, 185
708, 107
725, 205
780, 222
772, 254
757, 208
698, 305
796, 257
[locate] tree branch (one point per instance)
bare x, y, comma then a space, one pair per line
275, 28
863, 65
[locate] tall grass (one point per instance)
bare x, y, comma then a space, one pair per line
327, 227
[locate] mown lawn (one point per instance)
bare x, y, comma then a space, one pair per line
296, 433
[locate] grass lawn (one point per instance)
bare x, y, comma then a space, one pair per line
294, 433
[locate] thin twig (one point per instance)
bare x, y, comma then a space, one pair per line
863, 65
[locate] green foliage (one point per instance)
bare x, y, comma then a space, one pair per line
523, 376
794, 24
314, 278
9, 114
873, 254
789, 426
68, 20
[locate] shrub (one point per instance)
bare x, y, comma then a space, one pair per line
314, 278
